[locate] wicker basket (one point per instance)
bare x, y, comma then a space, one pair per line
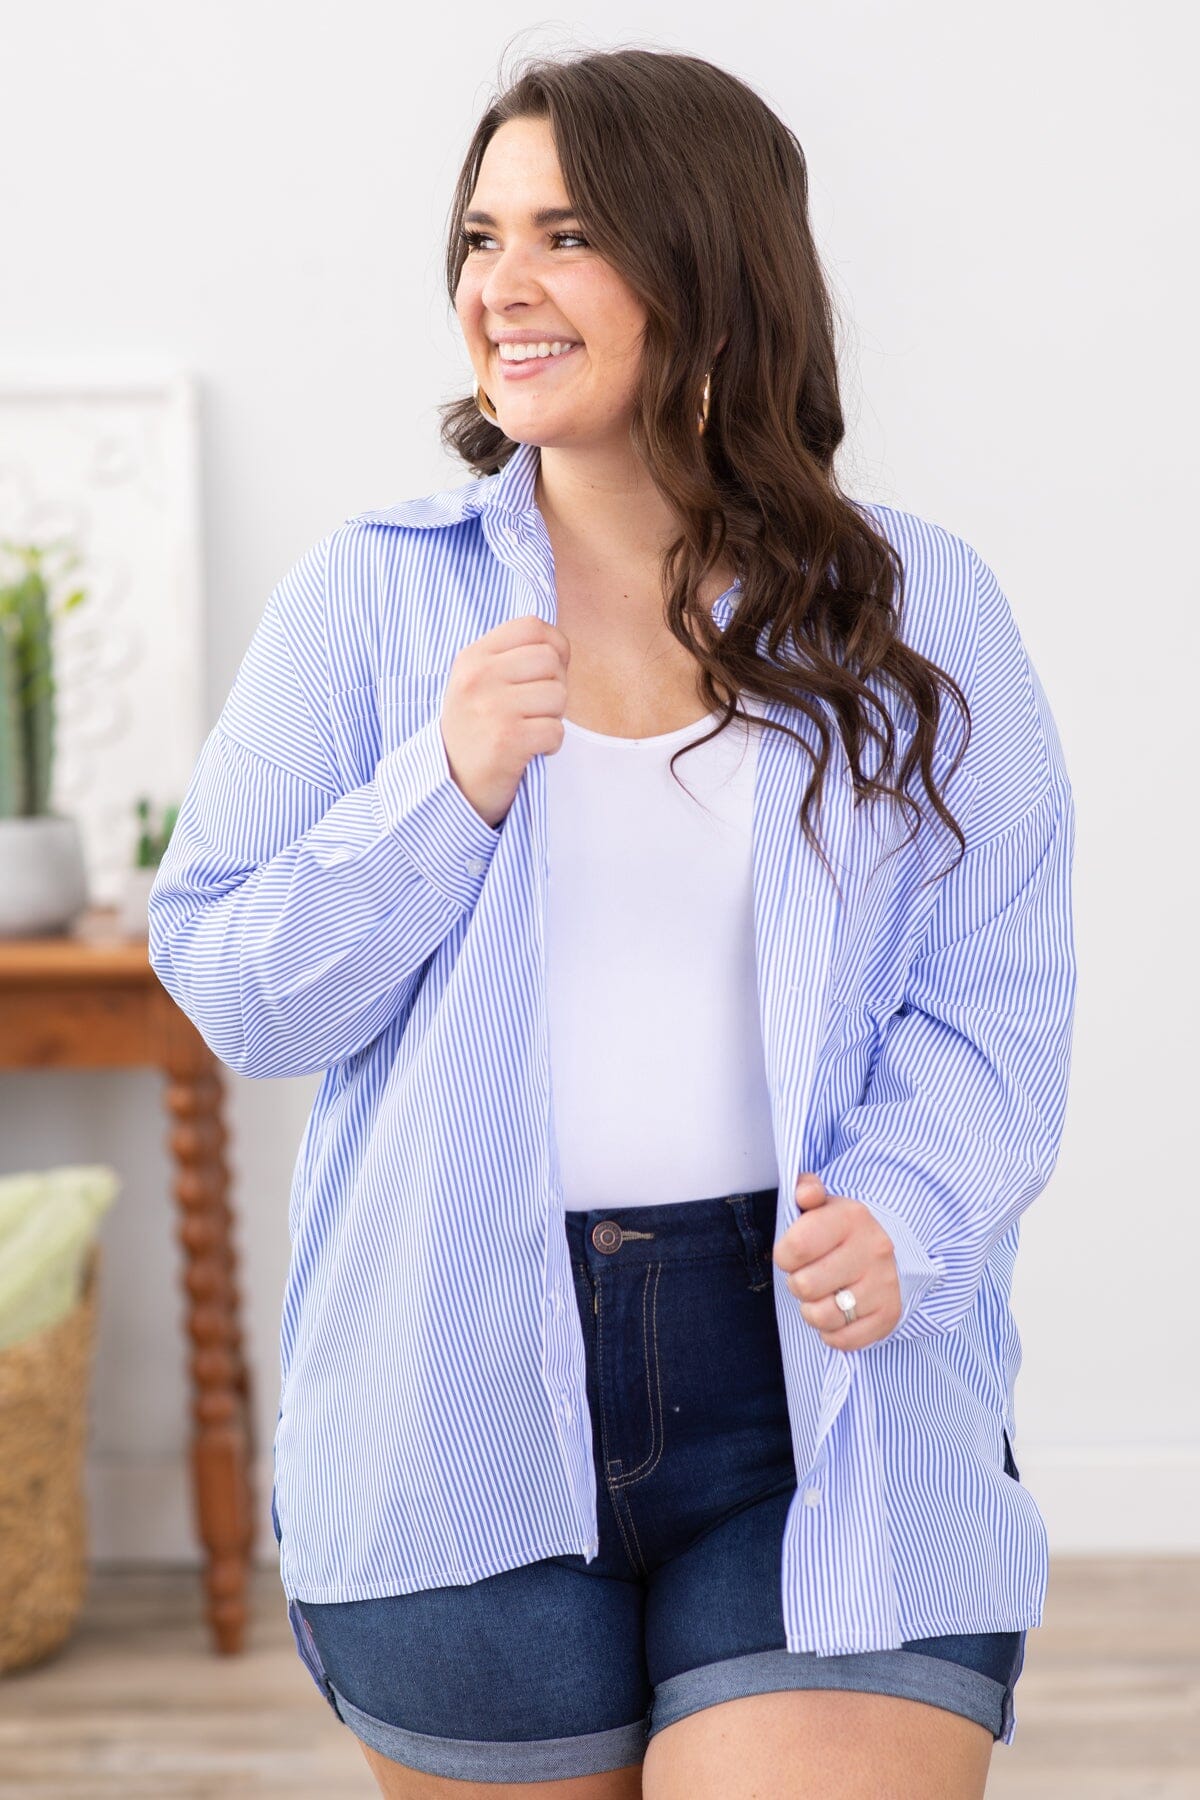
45, 1383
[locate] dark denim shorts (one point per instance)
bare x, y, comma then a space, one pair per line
563, 1667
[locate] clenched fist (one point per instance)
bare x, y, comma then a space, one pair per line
503, 705
837, 1243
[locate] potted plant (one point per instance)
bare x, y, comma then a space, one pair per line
43, 878
151, 845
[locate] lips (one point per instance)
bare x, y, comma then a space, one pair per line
532, 365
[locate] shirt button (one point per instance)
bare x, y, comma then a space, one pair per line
476, 865
568, 1411
812, 1496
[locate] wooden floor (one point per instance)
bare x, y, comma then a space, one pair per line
136, 1707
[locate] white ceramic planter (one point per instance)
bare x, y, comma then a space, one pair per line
134, 912
43, 879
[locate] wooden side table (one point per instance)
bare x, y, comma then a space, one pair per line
90, 1000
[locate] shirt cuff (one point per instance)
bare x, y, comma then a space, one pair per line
434, 822
917, 1270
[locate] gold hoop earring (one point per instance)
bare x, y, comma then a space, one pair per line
486, 409
702, 415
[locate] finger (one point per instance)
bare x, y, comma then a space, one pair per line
871, 1329
820, 1279
829, 1317
808, 1239
810, 1191
825, 1314
814, 1235
826, 1317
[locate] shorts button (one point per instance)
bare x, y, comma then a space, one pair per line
607, 1236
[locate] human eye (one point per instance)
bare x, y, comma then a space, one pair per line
474, 240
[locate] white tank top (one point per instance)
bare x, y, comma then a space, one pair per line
659, 1085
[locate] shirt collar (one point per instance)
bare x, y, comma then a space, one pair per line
510, 493
507, 494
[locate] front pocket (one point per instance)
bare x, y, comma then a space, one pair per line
369, 720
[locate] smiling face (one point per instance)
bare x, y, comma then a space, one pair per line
538, 281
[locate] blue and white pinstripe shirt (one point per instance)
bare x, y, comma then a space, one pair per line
330, 901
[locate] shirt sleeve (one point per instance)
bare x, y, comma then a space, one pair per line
290, 919
960, 1124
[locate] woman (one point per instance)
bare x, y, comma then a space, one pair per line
761, 1063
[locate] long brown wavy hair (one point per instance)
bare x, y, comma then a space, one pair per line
688, 184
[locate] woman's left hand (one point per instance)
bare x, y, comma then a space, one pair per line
837, 1243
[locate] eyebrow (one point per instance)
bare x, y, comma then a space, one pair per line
549, 215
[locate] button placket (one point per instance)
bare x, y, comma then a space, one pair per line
813, 1495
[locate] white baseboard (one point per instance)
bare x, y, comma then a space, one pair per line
1131, 1502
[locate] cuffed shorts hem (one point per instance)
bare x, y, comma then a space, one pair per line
464, 1759
904, 1673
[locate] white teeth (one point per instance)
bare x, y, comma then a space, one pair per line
523, 352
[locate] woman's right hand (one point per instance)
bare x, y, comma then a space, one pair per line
503, 705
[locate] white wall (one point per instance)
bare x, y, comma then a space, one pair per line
258, 193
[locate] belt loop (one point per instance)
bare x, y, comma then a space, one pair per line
752, 1243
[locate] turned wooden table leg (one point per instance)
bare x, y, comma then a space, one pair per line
222, 1428
242, 1380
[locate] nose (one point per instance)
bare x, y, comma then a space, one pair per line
509, 279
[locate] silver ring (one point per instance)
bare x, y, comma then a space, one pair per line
844, 1299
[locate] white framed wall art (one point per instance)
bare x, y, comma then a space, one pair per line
109, 460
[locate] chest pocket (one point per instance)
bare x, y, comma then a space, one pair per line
367, 722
